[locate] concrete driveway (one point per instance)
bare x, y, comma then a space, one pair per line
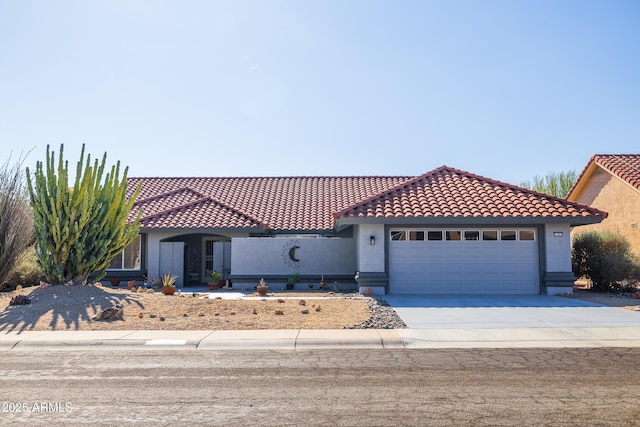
496, 321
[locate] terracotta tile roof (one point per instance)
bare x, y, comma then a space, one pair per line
451, 193
276, 203
625, 166
314, 203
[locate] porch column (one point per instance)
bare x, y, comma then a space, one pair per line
370, 248
558, 277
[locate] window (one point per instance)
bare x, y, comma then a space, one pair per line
453, 235
398, 235
490, 235
129, 259
416, 235
527, 235
508, 235
434, 235
471, 235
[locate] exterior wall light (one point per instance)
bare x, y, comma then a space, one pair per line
557, 234
372, 240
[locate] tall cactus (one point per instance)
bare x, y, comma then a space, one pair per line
79, 230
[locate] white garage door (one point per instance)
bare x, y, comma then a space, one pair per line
463, 261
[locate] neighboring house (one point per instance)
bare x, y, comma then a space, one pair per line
444, 232
612, 182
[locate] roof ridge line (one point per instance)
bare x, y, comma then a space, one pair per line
171, 192
402, 184
205, 198
238, 211
140, 178
513, 187
336, 215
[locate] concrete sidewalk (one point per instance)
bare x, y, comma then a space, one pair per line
550, 337
288, 339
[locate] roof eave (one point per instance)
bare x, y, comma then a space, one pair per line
202, 230
474, 221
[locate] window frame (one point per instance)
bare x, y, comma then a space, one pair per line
123, 259
462, 234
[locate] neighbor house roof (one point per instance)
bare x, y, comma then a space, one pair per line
451, 194
625, 167
315, 203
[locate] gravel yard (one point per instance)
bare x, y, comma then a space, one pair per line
74, 307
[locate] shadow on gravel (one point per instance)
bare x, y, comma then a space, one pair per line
65, 306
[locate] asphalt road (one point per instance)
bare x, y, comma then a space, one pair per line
168, 387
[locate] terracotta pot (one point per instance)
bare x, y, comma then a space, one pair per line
131, 284
168, 290
216, 285
262, 290
114, 281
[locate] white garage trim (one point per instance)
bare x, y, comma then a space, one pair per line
463, 261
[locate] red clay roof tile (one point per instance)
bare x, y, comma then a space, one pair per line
313, 203
277, 203
624, 166
449, 192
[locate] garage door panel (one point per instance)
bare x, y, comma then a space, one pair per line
472, 253
527, 269
466, 267
472, 267
509, 268
490, 267
454, 268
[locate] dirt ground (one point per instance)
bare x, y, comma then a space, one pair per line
626, 301
73, 308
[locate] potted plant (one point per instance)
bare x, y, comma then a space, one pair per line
168, 284
262, 287
292, 280
216, 281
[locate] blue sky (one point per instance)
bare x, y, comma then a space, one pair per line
504, 89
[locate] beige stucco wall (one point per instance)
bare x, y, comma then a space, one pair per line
622, 202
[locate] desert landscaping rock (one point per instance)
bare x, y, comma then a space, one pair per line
109, 313
382, 317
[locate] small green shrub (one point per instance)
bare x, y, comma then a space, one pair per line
27, 273
606, 259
